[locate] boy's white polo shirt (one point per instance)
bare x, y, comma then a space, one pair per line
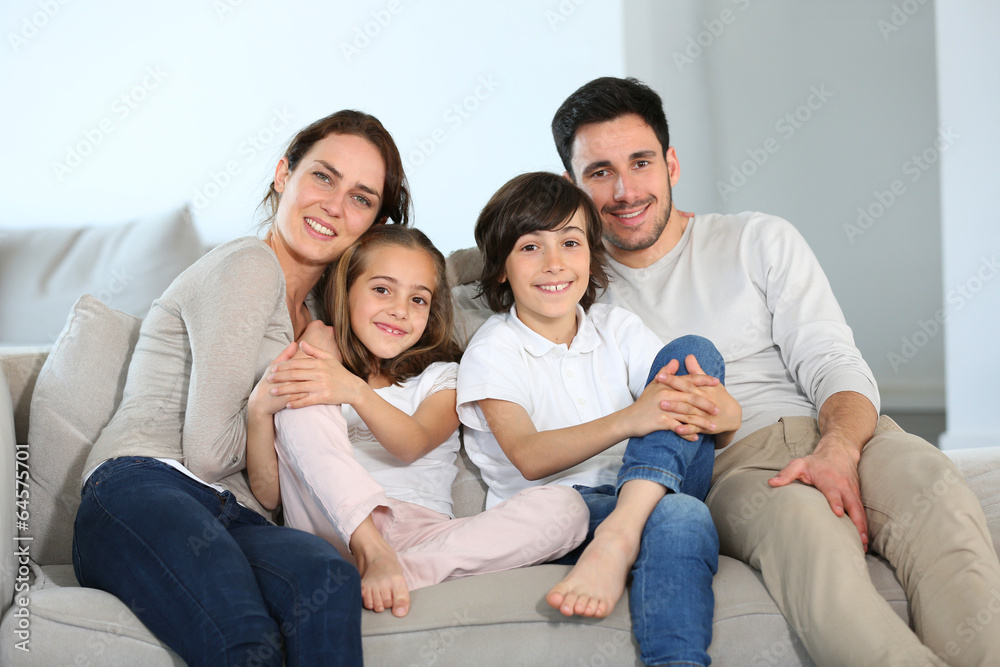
603, 370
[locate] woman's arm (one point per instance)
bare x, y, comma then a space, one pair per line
262, 459
226, 320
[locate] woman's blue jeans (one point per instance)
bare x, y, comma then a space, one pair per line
212, 579
671, 599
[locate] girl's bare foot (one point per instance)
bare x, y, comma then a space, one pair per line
597, 581
383, 585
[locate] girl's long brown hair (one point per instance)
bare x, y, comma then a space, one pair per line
437, 342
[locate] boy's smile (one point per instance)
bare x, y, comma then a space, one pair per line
548, 272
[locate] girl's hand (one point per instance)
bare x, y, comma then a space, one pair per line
262, 400
315, 379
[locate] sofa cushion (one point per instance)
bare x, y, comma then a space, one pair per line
77, 392
44, 271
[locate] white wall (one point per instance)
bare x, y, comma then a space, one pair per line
731, 71
467, 89
969, 83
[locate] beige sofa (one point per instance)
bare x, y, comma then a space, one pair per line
55, 398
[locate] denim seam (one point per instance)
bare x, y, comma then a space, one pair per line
626, 476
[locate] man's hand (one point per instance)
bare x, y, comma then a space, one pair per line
833, 469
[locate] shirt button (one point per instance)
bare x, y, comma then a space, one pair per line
569, 374
581, 401
235, 459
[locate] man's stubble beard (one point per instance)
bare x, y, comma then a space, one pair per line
646, 241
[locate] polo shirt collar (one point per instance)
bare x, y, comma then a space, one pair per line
537, 345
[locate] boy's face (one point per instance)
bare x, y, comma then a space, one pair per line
548, 273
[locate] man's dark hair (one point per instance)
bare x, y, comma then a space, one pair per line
602, 100
534, 202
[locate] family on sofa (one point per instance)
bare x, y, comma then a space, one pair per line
600, 446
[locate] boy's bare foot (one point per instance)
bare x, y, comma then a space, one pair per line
383, 585
597, 581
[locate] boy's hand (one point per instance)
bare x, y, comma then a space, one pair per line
698, 398
656, 410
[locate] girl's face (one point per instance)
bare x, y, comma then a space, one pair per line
391, 300
330, 199
548, 273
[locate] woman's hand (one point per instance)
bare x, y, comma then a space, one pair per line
315, 378
262, 401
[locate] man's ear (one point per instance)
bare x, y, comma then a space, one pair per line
569, 177
673, 166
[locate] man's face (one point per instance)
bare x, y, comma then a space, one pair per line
621, 165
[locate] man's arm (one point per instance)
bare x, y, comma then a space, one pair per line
846, 423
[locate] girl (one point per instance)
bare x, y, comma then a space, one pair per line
371, 469
553, 385
169, 467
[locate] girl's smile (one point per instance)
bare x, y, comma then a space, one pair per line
390, 301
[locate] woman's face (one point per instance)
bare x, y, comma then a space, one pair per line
330, 199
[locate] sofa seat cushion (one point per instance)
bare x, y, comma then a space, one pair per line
448, 623
81, 626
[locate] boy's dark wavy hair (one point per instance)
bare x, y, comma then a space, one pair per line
533, 202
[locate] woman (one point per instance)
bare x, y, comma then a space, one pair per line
165, 493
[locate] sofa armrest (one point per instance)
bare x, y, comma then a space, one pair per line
981, 469
8, 533
21, 365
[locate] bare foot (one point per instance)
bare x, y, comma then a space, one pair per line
383, 585
597, 581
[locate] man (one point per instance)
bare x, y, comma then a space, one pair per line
829, 479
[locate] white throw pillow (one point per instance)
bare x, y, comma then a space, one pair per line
44, 271
77, 392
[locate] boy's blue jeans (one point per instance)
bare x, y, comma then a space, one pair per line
211, 578
671, 597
